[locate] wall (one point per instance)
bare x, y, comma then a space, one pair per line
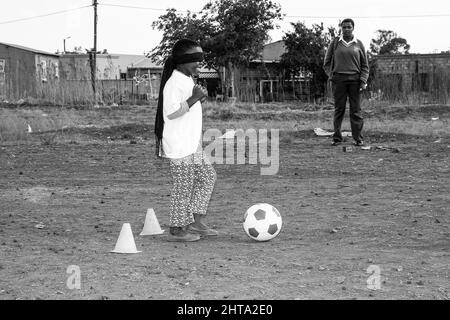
109, 66
417, 72
47, 76
75, 67
19, 79
412, 63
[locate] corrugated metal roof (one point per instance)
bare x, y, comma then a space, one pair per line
123, 60
29, 49
272, 52
145, 63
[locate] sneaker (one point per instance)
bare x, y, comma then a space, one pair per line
204, 232
359, 143
336, 143
178, 234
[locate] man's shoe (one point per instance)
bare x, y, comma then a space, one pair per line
359, 143
203, 232
180, 235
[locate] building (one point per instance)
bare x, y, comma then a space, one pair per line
26, 72
146, 73
263, 79
109, 66
144, 67
120, 77
149, 73
265, 73
66, 78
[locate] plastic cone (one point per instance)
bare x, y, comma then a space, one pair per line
125, 242
151, 225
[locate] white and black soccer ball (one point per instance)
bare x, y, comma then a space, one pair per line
262, 222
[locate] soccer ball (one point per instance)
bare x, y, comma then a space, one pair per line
262, 222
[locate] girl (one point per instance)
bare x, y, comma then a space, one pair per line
178, 130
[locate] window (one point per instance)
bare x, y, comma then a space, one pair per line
56, 68
43, 65
123, 76
2, 70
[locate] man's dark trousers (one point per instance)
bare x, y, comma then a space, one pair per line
347, 86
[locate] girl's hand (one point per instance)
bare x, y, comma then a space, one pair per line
198, 92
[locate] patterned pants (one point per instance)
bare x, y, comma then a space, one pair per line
193, 183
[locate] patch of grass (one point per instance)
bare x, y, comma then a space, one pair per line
219, 111
416, 120
48, 138
15, 124
44, 119
422, 127
12, 126
287, 139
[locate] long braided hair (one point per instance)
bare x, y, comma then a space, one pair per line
179, 48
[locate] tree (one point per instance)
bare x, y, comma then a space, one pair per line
388, 42
175, 26
231, 32
305, 51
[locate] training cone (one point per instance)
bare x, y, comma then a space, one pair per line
151, 225
125, 243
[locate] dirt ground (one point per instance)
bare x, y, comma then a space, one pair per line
344, 215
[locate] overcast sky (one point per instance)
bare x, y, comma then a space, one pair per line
127, 30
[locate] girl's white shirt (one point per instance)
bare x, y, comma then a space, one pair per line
181, 136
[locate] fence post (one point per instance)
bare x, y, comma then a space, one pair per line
137, 92
132, 89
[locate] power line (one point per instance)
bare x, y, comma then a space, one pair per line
287, 16
44, 15
136, 7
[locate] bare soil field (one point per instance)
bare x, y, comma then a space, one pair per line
65, 193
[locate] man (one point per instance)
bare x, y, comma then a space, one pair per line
347, 67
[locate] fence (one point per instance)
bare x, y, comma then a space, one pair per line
412, 88
80, 92
107, 91
278, 89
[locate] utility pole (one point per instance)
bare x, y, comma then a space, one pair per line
94, 54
